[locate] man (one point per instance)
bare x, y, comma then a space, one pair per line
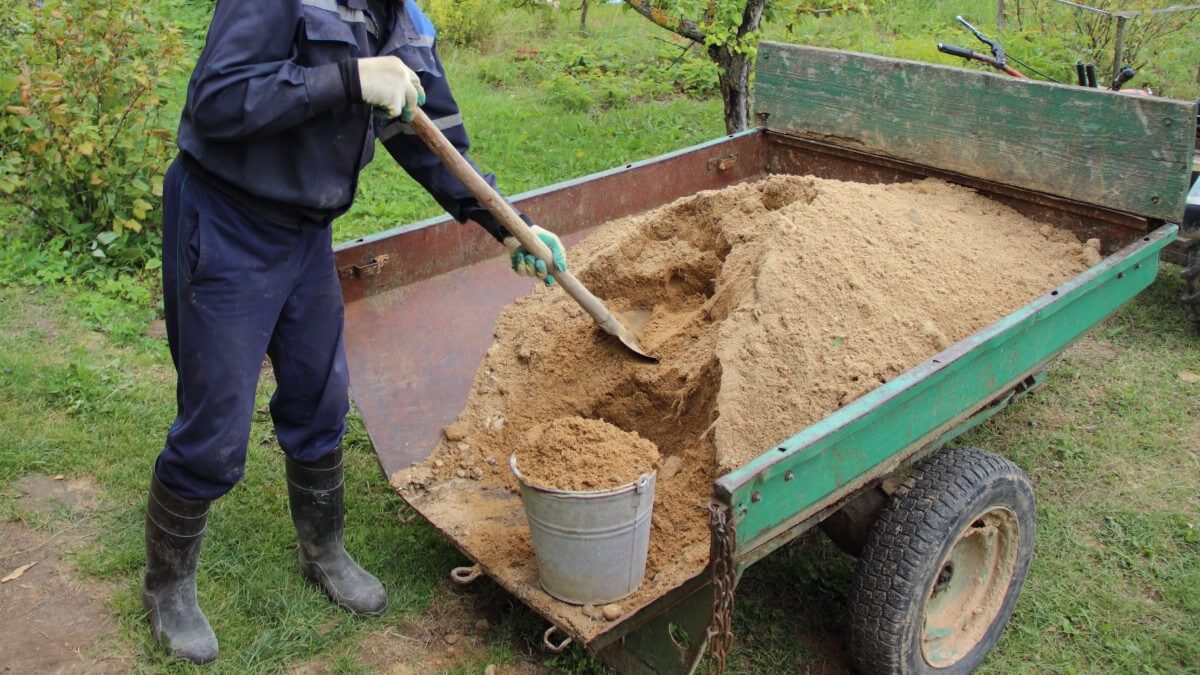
282, 112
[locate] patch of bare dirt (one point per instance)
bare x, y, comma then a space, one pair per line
1092, 352
52, 620
450, 636
157, 330
32, 318
48, 495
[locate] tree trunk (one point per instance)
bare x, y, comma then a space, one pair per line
733, 70
583, 8
734, 75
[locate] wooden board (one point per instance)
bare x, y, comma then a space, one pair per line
1120, 151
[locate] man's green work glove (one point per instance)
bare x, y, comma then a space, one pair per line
527, 264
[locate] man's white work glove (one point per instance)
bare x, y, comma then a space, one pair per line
388, 83
527, 264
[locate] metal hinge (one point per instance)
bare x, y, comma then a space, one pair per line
723, 163
369, 269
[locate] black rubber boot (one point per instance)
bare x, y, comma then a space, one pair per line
317, 495
174, 530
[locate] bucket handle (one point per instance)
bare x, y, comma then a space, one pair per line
550, 646
643, 482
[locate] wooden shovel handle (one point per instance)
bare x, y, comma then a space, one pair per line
493, 202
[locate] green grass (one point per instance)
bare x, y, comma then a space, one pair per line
1111, 444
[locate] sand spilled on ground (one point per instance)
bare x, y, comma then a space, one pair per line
774, 303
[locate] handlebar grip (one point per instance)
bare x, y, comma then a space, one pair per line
1126, 74
952, 50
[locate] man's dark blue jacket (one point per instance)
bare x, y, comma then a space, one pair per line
271, 120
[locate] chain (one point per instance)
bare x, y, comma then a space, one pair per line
724, 540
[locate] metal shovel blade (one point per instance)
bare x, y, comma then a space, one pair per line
630, 323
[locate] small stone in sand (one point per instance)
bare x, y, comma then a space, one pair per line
451, 638
490, 670
612, 612
671, 466
523, 355
455, 432
591, 612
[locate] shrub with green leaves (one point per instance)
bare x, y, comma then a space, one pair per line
83, 145
463, 22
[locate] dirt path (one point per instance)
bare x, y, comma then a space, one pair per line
51, 620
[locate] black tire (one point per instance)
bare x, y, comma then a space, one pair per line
964, 507
1191, 278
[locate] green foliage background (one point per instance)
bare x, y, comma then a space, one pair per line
83, 138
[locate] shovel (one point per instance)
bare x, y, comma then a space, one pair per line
606, 319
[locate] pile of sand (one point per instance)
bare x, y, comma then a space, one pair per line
572, 453
774, 303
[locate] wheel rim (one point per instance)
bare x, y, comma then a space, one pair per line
970, 587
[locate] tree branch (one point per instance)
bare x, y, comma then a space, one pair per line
682, 27
751, 17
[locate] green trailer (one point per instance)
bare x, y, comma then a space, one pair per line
943, 534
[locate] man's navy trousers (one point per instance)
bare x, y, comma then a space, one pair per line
236, 287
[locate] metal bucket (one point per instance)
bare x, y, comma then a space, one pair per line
591, 546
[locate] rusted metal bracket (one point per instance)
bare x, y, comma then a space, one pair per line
723, 163
369, 269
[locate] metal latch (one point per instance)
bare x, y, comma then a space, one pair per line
369, 269
723, 163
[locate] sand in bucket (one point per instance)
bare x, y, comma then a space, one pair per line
588, 492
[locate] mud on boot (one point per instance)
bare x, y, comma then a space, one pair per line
174, 531
316, 493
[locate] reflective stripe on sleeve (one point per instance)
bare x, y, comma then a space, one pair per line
345, 13
420, 41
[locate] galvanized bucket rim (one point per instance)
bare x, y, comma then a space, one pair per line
638, 485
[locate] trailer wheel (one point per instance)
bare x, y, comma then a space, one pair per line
1191, 277
943, 566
